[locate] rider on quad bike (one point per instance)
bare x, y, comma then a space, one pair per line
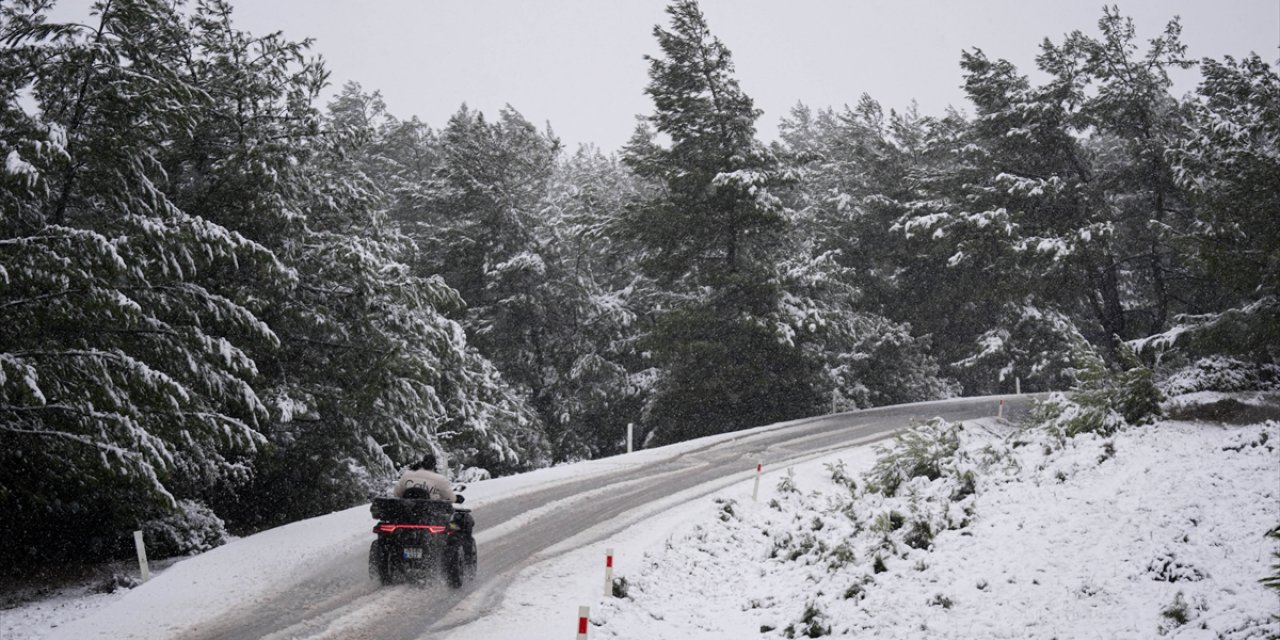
422, 475
421, 536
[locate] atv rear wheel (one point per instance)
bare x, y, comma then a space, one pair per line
453, 566
469, 559
379, 567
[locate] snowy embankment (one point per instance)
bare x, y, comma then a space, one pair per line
1156, 530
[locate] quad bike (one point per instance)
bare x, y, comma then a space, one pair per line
421, 541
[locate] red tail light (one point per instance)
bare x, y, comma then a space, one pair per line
392, 528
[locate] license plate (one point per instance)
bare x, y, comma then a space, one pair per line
413, 554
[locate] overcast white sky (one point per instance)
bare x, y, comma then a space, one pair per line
579, 63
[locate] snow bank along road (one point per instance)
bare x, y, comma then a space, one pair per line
519, 521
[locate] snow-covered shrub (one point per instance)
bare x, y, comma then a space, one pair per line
919, 535
473, 474
621, 588
1222, 373
812, 623
1027, 341
1103, 401
889, 522
190, 528
1136, 394
115, 582
1178, 613
788, 483
840, 475
726, 509
878, 565
1273, 580
922, 451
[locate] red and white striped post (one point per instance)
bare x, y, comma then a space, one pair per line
755, 491
608, 573
582, 623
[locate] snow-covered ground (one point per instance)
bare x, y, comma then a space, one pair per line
1154, 531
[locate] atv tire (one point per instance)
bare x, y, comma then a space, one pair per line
469, 560
379, 567
453, 566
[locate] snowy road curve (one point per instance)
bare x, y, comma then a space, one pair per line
335, 597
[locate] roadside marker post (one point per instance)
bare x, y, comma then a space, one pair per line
755, 491
630, 430
142, 555
582, 623
1017, 386
608, 573
1000, 414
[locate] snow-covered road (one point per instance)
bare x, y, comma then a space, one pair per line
310, 579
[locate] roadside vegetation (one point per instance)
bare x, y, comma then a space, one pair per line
1099, 503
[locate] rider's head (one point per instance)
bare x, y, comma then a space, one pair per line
428, 462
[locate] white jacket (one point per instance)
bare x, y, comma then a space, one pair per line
437, 486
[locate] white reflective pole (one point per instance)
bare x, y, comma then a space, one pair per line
582, 622
630, 431
142, 555
608, 573
755, 491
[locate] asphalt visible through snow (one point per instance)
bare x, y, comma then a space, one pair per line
340, 600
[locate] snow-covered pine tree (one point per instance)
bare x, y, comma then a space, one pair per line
487, 217
124, 378
844, 267
1229, 163
1118, 100
1063, 183
710, 241
368, 374
605, 381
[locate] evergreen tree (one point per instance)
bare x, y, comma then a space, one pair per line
710, 243
1229, 164
126, 379
599, 384
1063, 183
845, 265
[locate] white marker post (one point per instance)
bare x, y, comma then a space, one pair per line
1000, 414
630, 430
582, 623
608, 573
142, 555
755, 491
1017, 386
